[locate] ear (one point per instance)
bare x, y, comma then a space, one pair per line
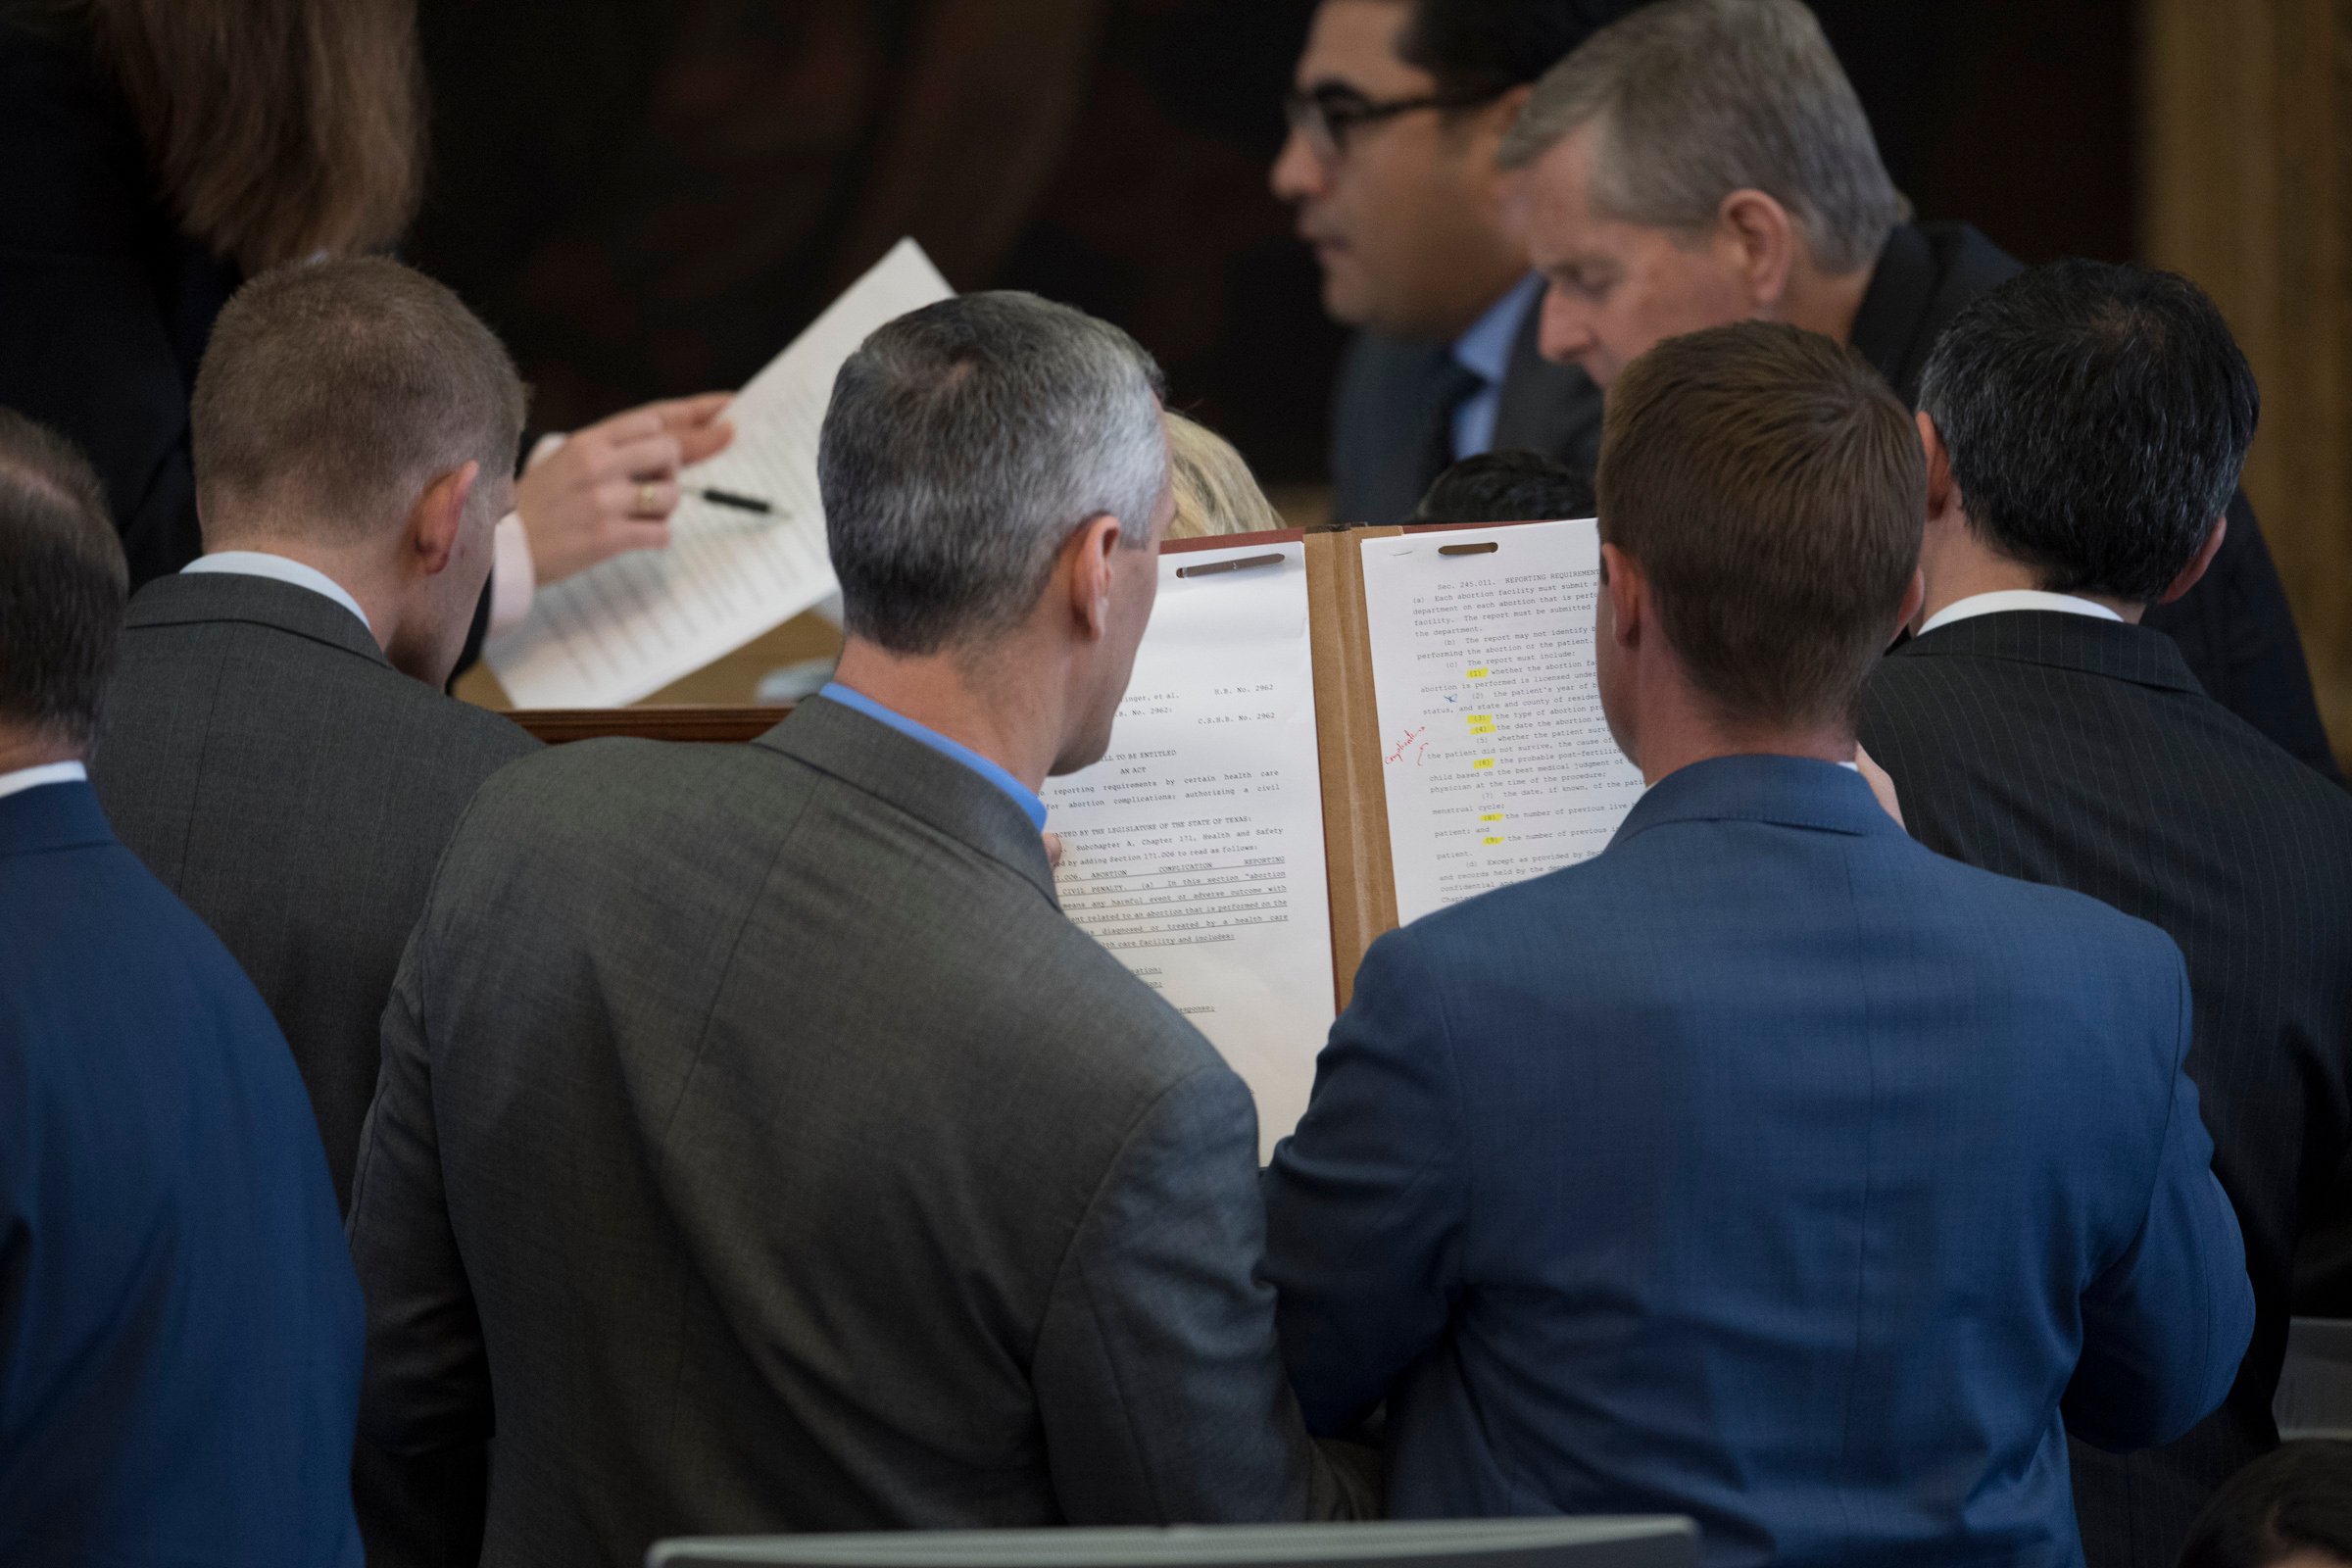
2195, 570
1495, 121
438, 518
1944, 493
1087, 562
1755, 236
1628, 594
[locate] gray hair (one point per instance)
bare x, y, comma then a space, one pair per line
1700, 98
964, 443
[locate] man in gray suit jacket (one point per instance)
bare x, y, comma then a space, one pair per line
278, 749
759, 1147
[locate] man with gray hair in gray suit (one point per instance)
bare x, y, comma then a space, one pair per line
759, 1147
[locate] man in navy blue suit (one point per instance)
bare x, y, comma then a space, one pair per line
1766, 1168
180, 1328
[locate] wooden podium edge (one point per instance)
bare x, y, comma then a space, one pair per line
560, 726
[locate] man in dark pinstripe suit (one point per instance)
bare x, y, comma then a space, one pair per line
2084, 427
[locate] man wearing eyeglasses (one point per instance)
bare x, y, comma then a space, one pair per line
1397, 114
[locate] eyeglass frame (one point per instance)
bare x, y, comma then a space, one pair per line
1310, 113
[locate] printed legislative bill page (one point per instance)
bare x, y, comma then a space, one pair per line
1497, 759
625, 628
1194, 851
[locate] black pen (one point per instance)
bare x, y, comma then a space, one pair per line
728, 498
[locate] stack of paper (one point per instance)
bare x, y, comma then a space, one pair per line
625, 629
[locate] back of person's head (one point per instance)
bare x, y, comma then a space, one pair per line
1772, 490
1506, 486
63, 585
1697, 99
334, 393
2292, 1508
1480, 49
1215, 491
964, 444
2097, 418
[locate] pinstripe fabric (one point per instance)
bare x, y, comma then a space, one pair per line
2083, 754
2236, 630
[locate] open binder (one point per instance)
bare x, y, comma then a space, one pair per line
1328, 733
1403, 717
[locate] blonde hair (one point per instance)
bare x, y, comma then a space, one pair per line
1215, 491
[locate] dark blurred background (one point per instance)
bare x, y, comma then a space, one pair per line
653, 196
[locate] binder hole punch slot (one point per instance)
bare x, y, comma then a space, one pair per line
1486, 549
1213, 567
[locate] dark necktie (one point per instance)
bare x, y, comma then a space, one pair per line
1456, 385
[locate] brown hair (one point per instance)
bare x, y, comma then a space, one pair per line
278, 129
332, 392
61, 584
1215, 491
1773, 490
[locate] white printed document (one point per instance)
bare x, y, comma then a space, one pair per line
1194, 851
1495, 756
624, 629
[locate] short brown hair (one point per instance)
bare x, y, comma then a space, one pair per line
332, 392
1772, 489
61, 584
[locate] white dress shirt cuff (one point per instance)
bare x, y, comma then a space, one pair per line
512, 578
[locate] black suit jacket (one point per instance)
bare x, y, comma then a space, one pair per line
1392, 392
105, 305
2080, 752
2235, 628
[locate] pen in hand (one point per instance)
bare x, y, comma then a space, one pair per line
728, 498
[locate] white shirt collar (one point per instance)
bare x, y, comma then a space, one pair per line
26, 779
279, 569
2007, 599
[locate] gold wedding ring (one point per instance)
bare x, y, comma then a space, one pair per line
649, 500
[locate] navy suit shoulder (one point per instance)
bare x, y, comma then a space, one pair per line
1687, 1179
168, 1221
